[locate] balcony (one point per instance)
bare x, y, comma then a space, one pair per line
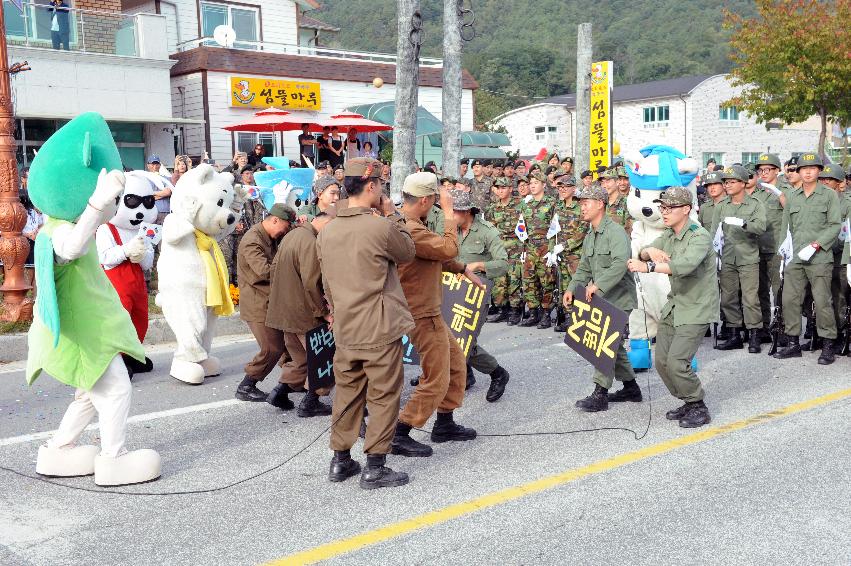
291, 49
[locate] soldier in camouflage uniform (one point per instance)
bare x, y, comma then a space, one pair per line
616, 207
503, 214
623, 181
522, 187
480, 185
571, 236
538, 279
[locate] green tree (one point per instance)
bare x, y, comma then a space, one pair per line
792, 62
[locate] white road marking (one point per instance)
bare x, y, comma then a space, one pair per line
134, 419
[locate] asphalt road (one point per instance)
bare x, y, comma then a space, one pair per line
767, 482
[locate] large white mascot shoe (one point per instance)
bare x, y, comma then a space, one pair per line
187, 372
212, 366
138, 466
66, 462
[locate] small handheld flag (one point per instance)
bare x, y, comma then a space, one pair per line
554, 228
520, 229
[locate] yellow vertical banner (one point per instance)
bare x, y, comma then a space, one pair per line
601, 115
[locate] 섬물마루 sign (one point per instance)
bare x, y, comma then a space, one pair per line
247, 92
601, 114
595, 330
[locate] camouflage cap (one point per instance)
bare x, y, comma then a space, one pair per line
462, 200
538, 175
594, 192
675, 196
565, 179
771, 159
810, 160
736, 172
283, 212
422, 184
522, 179
713, 177
323, 183
832, 171
363, 167
611, 173
452, 180
502, 182
621, 170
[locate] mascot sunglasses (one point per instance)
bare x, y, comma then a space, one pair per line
133, 201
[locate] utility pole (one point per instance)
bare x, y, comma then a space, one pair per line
451, 87
410, 32
584, 53
14, 247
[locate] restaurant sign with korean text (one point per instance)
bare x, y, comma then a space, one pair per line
601, 114
252, 92
595, 330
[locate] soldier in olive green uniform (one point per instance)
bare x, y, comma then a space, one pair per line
571, 236
683, 251
768, 170
715, 191
480, 248
834, 177
602, 270
616, 207
480, 185
538, 279
503, 213
812, 215
742, 219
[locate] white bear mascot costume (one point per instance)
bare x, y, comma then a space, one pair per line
193, 278
652, 170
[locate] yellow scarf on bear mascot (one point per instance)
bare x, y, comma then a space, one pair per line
218, 292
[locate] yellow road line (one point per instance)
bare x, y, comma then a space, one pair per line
430, 519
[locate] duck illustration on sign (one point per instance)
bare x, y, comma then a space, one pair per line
243, 93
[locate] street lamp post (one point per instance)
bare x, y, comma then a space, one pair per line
14, 247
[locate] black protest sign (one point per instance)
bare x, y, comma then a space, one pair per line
595, 330
320, 357
410, 356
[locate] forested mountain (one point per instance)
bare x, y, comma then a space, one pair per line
524, 51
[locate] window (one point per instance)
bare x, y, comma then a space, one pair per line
246, 142
656, 116
728, 113
544, 132
716, 155
244, 22
750, 156
35, 22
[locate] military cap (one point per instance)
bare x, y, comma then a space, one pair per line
452, 180
462, 200
768, 159
565, 179
522, 179
713, 177
465, 162
535, 167
751, 168
735, 172
810, 160
586, 173
487, 162
793, 161
422, 184
324, 164
363, 167
832, 171
323, 183
476, 162
501, 182
594, 192
675, 196
538, 175
611, 173
552, 169
283, 212
567, 160
509, 163
622, 171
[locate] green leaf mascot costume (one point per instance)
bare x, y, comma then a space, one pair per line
80, 328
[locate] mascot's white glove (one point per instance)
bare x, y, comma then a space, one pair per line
553, 257
135, 249
240, 195
107, 192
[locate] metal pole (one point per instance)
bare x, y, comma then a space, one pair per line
584, 51
410, 37
14, 247
451, 113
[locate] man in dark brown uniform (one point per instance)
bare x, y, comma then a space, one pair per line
359, 252
296, 306
253, 264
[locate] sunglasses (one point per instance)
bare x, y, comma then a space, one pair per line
791, 169
133, 201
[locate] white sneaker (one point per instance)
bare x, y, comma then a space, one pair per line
187, 372
66, 462
137, 466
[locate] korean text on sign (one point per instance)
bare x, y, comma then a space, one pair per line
265, 92
595, 330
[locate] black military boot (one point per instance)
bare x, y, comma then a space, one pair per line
311, 406
678, 413
514, 317
471, 377
492, 309
534, 318
734, 343
697, 415
724, 333
342, 466
597, 401
545, 321
764, 336
446, 429
499, 379
791, 350
827, 356
754, 342
247, 391
404, 445
630, 392
813, 344
376, 474
500, 316
278, 397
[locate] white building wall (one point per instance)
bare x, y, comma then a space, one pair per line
278, 25
633, 134
189, 104
522, 123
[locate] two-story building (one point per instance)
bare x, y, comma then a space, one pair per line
688, 113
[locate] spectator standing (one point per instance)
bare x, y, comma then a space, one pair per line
335, 148
322, 143
163, 197
353, 148
306, 146
182, 164
368, 151
256, 157
60, 29
240, 160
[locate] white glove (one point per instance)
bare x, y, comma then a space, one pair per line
135, 249
109, 188
733, 221
239, 197
806, 253
772, 188
527, 198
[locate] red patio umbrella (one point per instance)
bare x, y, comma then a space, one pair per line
271, 120
348, 120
